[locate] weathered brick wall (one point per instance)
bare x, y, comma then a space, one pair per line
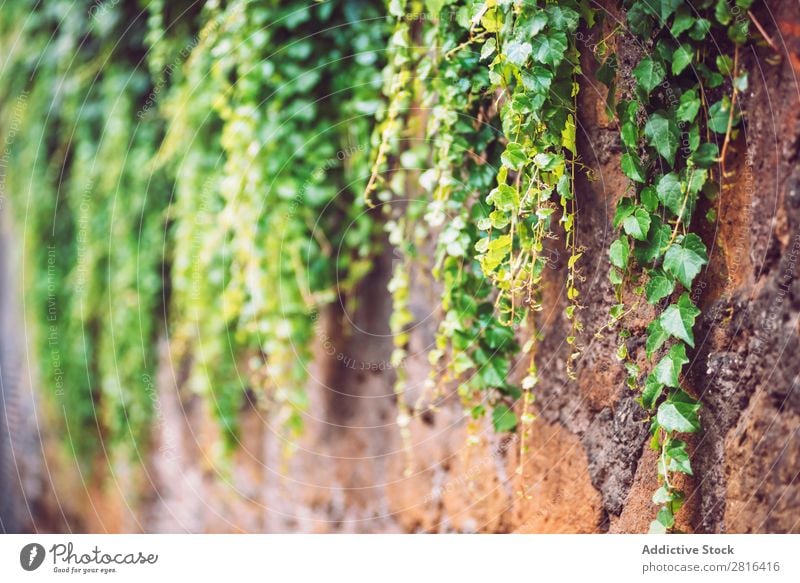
588, 468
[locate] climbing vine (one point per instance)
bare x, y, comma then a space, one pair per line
673, 125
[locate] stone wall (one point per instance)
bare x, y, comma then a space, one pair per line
587, 466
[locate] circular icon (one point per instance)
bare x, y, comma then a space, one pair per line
31, 556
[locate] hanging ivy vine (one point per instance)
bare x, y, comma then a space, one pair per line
671, 125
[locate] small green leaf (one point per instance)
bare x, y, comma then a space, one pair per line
658, 287
697, 178
547, 161
740, 82
514, 156
563, 18
632, 168
649, 198
684, 258
678, 319
639, 22
488, 48
683, 21
678, 457
492, 20
549, 49
719, 115
537, 79
529, 24
663, 135
618, 252
614, 276
625, 208
504, 198
739, 31
725, 65
681, 58
503, 419
669, 367
652, 391
688, 106
637, 224
517, 52
657, 528
662, 496
657, 239
665, 517
629, 134
722, 12
649, 74
706, 155
700, 29
656, 336
670, 192
679, 413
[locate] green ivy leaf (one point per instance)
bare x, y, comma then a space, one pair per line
679, 413
549, 49
678, 319
662, 496
630, 134
517, 52
504, 198
688, 106
492, 20
652, 391
724, 65
697, 178
681, 58
618, 252
670, 192
537, 79
678, 457
657, 239
514, 156
649, 198
669, 367
639, 22
614, 276
638, 224
739, 31
667, 8
700, 29
666, 517
683, 21
706, 155
722, 12
684, 258
503, 418
492, 368
529, 24
547, 161
658, 287
663, 135
632, 168
563, 18
656, 337
625, 208
719, 114
649, 74
488, 48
